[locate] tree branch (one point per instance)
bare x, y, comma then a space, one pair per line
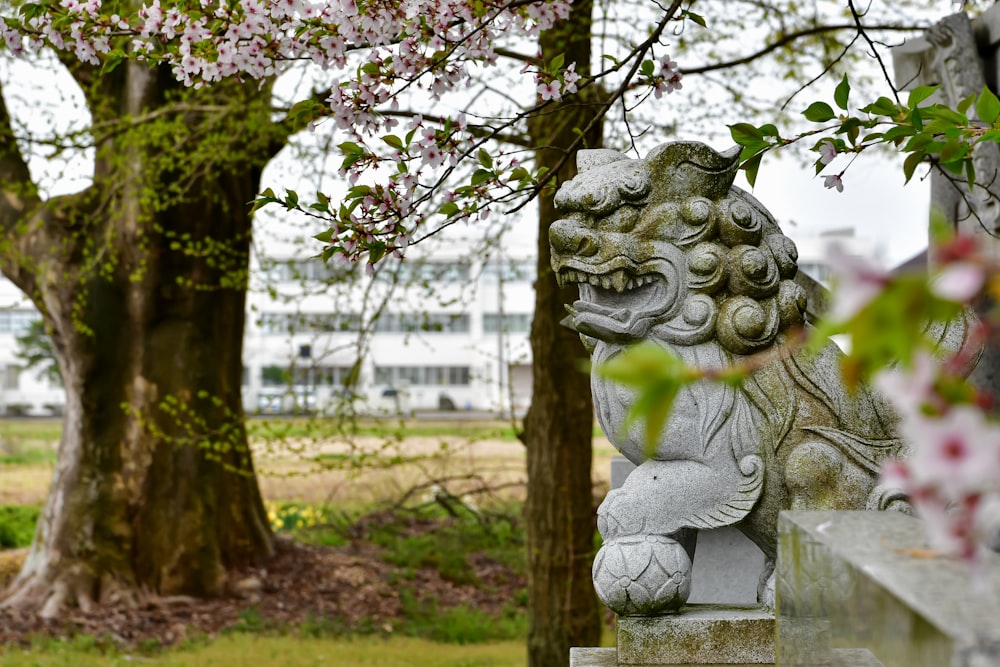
790, 38
18, 198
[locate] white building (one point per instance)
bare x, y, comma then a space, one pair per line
439, 331
815, 249
22, 392
423, 334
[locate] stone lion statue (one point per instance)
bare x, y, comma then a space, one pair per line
666, 249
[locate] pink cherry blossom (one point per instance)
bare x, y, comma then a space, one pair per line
955, 452
827, 152
959, 281
911, 389
548, 91
856, 282
834, 181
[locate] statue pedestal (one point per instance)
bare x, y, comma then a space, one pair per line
699, 634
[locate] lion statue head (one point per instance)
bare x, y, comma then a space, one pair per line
666, 247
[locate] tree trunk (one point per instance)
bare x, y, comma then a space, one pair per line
558, 430
142, 281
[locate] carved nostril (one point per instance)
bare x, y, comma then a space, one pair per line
586, 246
569, 237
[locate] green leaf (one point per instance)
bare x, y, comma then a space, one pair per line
938, 126
988, 106
325, 236
112, 60
966, 104
647, 68
953, 150
485, 158
449, 209
910, 164
943, 113
769, 130
751, 167
898, 133
480, 176
919, 94
883, 106
556, 64
376, 252
819, 112
350, 148
263, 199
697, 18
970, 174
745, 133
359, 191
393, 141
842, 92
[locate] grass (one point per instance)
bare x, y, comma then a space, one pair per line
240, 649
458, 625
430, 634
318, 427
17, 525
45, 431
29, 441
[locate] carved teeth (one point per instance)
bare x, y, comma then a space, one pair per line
619, 280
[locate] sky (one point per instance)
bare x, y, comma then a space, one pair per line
874, 202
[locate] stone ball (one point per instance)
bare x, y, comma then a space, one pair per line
642, 575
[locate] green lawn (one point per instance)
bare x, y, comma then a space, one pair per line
240, 650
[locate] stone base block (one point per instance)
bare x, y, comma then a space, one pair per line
593, 657
700, 635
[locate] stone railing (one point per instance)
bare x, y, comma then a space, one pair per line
863, 588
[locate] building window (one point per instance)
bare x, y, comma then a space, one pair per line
423, 272
509, 272
818, 271
511, 322
422, 375
278, 376
17, 322
273, 376
11, 377
422, 322
307, 323
304, 270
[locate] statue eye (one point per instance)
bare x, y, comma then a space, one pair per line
600, 200
634, 184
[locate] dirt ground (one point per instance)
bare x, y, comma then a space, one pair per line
344, 587
303, 583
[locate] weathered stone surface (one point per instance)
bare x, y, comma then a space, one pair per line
962, 57
593, 657
701, 634
666, 249
642, 574
867, 580
725, 555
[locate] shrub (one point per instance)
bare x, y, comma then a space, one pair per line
17, 525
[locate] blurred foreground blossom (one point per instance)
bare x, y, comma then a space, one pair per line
857, 282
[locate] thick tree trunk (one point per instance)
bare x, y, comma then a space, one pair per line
142, 281
558, 429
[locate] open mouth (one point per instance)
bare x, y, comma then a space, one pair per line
619, 305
